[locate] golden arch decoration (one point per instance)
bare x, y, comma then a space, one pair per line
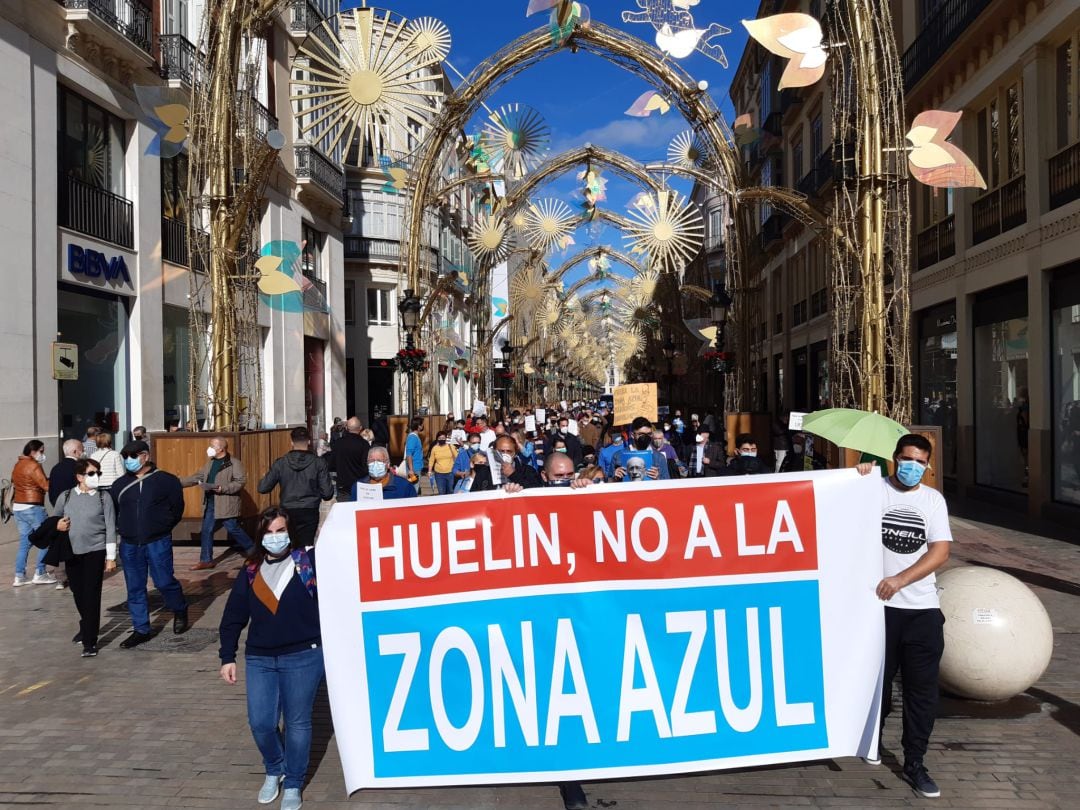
617, 47
596, 253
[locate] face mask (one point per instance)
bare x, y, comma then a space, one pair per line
41, 459
132, 464
480, 464
442, 441
748, 453
796, 448
210, 452
909, 473
642, 442
617, 440
276, 543
559, 482
506, 458
376, 469
700, 439
91, 480
560, 449
657, 443
475, 447
667, 427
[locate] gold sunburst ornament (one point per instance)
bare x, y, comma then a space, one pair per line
373, 78
488, 238
529, 291
687, 150
517, 139
671, 232
548, 223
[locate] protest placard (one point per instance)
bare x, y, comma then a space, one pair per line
632, 401
614, 631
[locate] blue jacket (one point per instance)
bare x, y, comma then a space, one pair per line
606, 458
397, 488
293, 627
147, 508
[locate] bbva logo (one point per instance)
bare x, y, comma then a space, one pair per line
92, 264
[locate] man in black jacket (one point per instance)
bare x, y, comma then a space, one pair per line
62, 475
509, 466
705, 458
350, 459
305, 481
573, 444
149, 504
746, 461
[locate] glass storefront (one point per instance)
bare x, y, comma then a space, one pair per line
1065, 343
937, 378
1001, 388
176, 353
98, 325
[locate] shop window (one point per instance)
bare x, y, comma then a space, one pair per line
91, 143
1065, 379
379, 306
937, 378
1067, 91
312, 246
176, 353
1001, 394
174, 178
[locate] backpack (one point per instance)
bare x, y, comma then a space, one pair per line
304, 570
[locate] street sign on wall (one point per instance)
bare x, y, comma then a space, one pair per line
65, 361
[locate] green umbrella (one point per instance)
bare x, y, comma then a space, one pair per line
857, 430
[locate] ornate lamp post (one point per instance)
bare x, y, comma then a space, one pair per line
409, 308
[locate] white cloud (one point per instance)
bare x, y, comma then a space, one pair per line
647, 136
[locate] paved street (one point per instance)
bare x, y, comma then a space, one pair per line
156, 727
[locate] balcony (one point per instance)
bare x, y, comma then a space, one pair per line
305, 18
254, 118
999, 210
939, 32
96, 212
174, 245
772, 230
178, 60
123, 26
362, 247
316, 171
936, 243
1065, 176
819, 176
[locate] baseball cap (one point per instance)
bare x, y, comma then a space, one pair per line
132, 449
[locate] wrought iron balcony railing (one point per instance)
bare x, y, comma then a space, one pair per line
306, 18
311, 164
175, 247
178, 59
936, 243
96, 212
938, 33
999, 210
1065, 176
130, 18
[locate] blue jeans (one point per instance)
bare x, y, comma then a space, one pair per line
283, 686
210, 524
28, 520
444, 483
157, 558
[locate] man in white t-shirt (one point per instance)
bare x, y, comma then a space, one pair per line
915, 534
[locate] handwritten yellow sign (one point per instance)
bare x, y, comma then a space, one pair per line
632, 401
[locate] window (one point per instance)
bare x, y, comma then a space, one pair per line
174, 177
817, 138
1000, 131
312, 246
379, 218
1067, 92
175, 14
778, 300
716, 228
91, 143
765, 102
1015, 120
797, 161
379, 306
1065, 293
350, 303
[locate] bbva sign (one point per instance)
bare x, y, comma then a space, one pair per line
93, 264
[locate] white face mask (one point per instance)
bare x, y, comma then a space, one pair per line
91, 480
700, 439
748, 453
211, 452
41, 458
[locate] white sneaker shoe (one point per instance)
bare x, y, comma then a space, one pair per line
291, 800
43, 579
61, 584
270, 789
20, 580
872, 759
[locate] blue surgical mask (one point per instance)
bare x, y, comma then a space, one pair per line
909, 473
276, 543
132, 464
377, 469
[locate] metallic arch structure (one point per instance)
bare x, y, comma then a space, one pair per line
597, 252
617, 47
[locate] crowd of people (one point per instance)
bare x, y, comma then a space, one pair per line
114, 506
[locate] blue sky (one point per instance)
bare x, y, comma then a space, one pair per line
582, 97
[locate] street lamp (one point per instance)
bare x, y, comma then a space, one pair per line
719, 305
507, 350
669, 352
409, 309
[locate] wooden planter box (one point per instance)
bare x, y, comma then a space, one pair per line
184, 454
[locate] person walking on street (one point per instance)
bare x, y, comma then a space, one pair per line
916, 536
112, 466
62, 474
350, 459
746, 461
222, 478
276, 598
414, 453
441, 464
29, 486
88, 515
705, 458
149, 504
305, 482
90, 442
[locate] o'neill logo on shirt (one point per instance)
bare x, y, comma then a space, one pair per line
903, 530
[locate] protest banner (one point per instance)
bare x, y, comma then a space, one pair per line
614, 631
632, 401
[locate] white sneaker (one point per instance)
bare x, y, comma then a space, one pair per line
61, 584
872, 759
20, 580
43, 579
270, 789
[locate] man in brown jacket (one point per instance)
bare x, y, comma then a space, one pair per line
222, 478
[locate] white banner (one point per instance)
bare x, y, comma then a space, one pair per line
617, 631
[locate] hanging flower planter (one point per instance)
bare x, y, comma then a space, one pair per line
407, 360
719, 361
507, 375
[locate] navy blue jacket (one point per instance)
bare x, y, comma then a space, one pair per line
294, 627
147, 508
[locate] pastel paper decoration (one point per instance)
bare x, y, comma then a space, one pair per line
648, 103
934, 161
798, 38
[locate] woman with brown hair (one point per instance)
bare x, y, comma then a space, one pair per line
275, 597
30, 486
